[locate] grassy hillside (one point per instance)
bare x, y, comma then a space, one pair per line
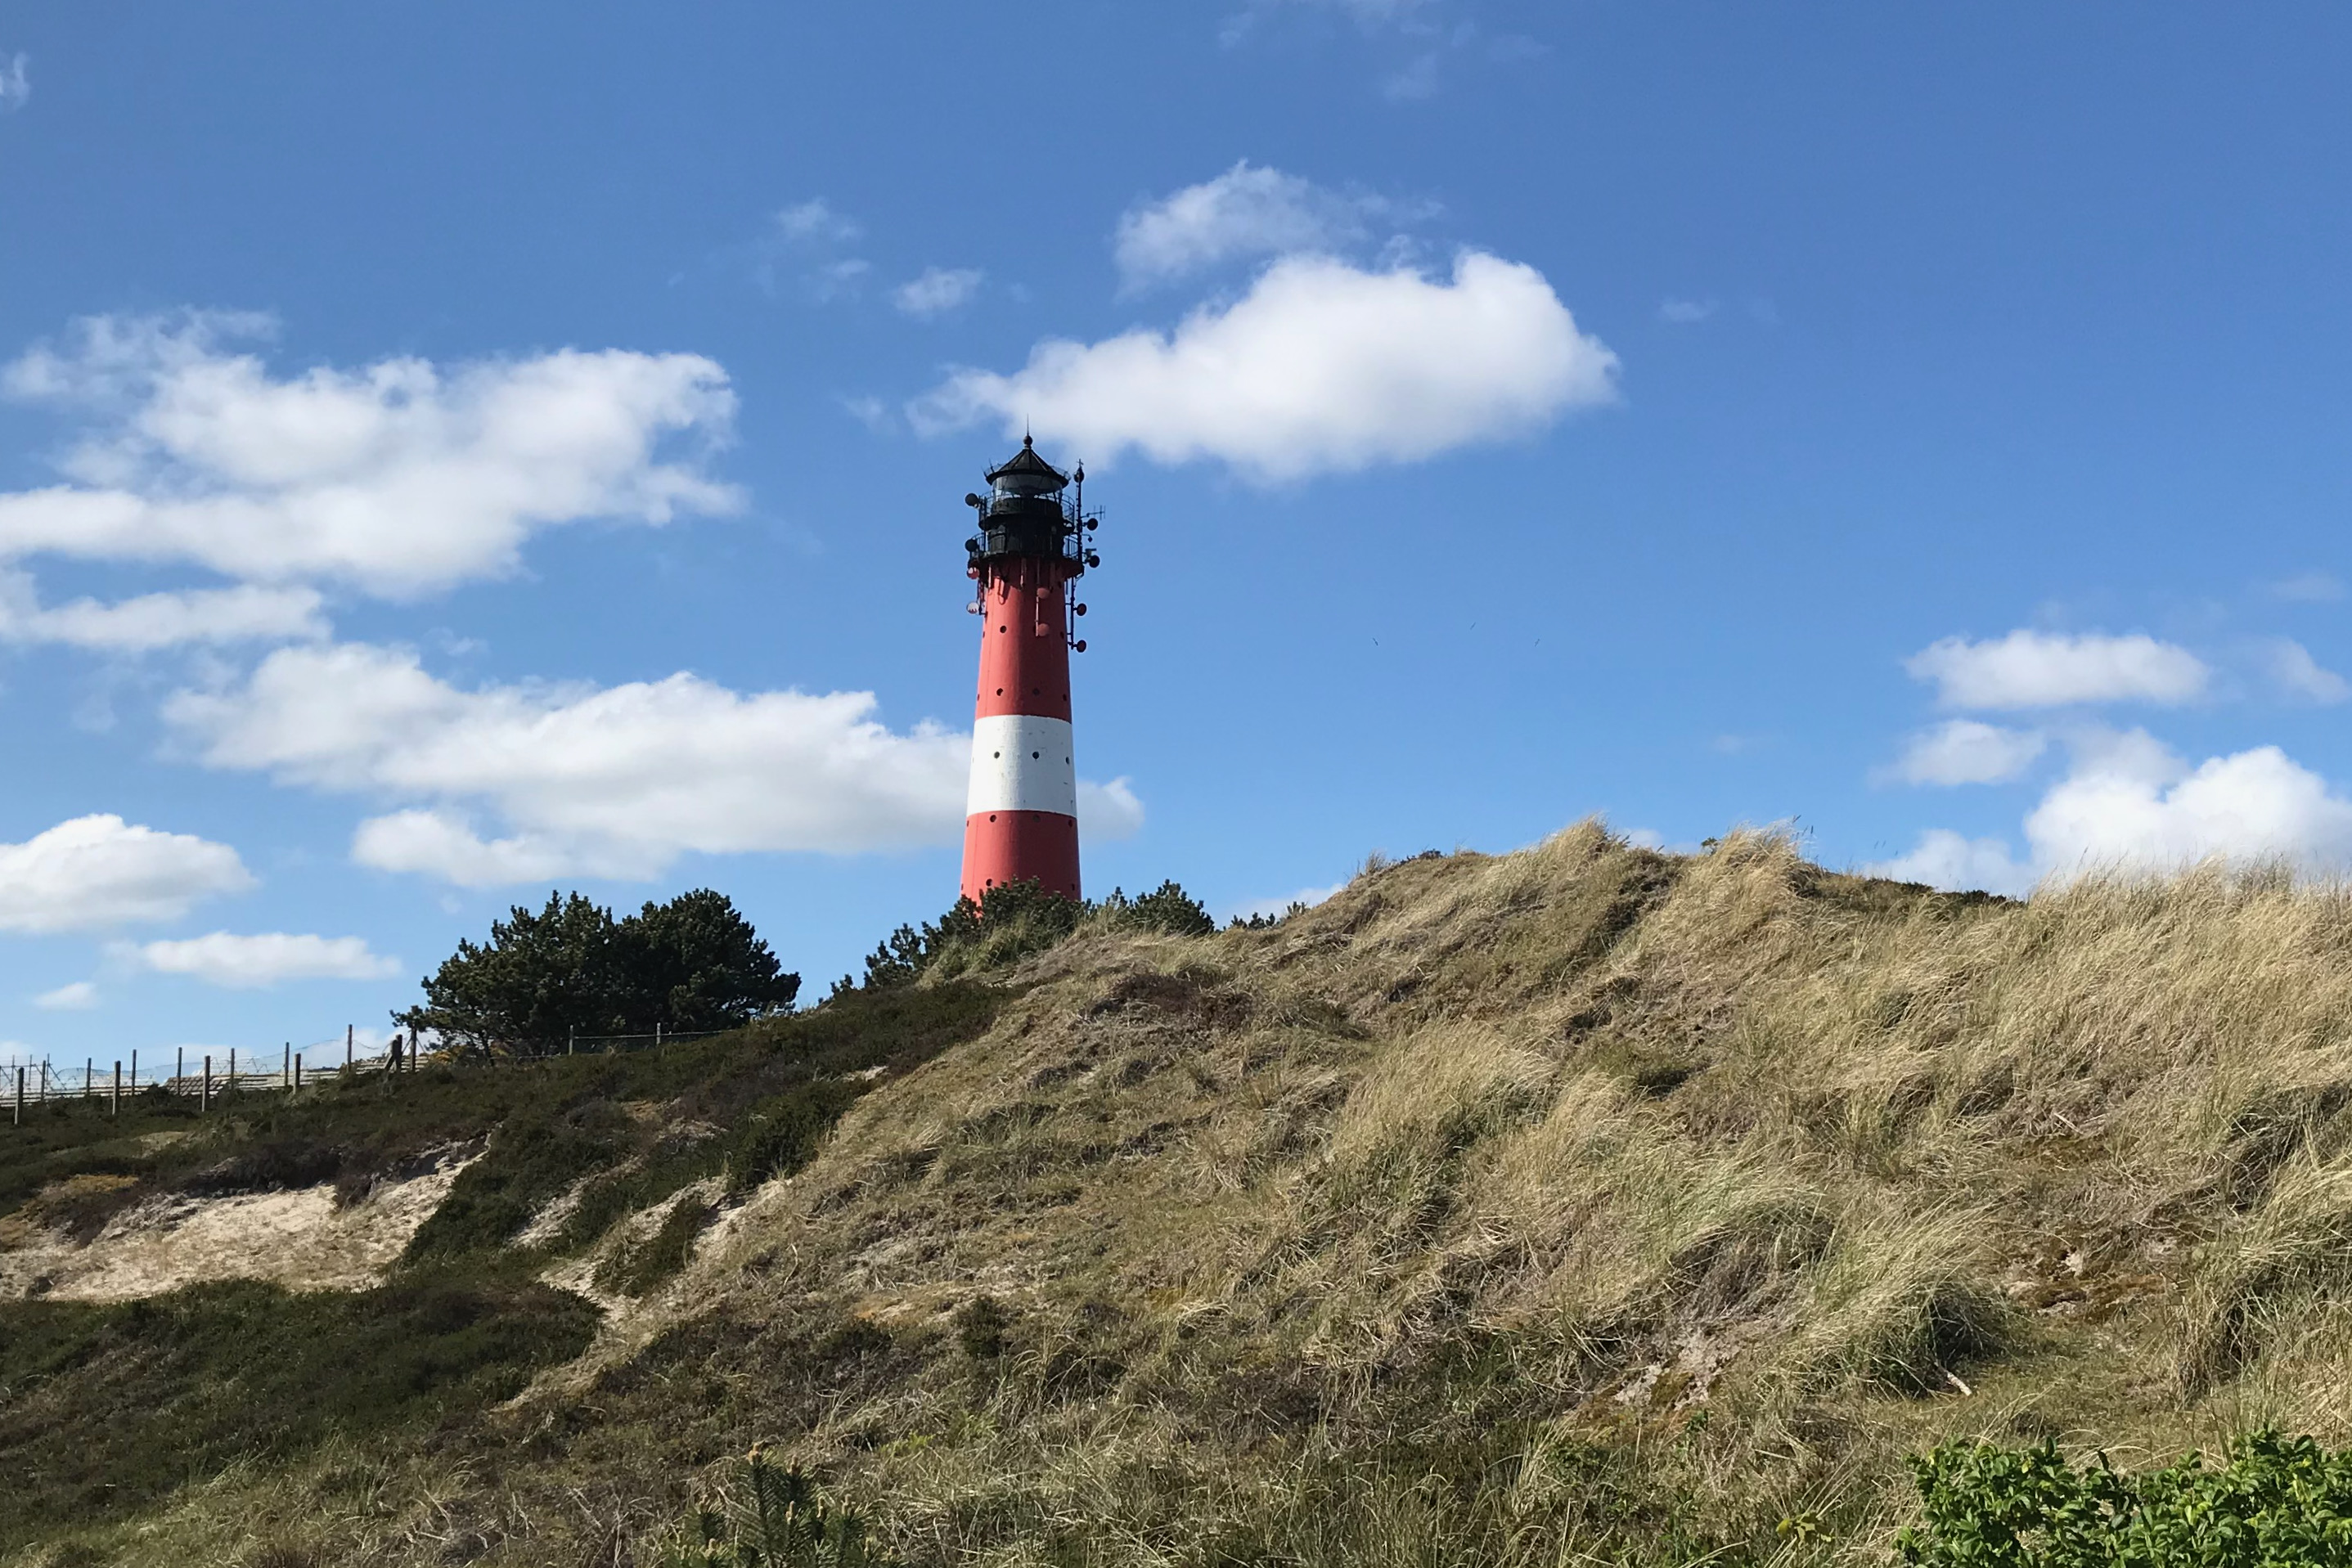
1580, 1205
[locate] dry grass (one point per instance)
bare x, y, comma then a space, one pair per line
1584, 1203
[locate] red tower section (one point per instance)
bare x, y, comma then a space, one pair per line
1021, 820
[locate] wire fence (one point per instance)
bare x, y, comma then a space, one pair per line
208, 1077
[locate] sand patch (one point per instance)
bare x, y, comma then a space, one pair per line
297, 1240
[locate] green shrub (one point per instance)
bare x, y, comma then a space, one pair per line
780, 1134
1012, 922
771, 1518
2273, 1502
694, 963
1007, 924
1169, 909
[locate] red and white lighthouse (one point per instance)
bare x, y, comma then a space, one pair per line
1021, 816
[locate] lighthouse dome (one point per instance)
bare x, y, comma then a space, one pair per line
1026, 473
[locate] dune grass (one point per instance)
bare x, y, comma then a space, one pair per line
1583, 1204
107, 1410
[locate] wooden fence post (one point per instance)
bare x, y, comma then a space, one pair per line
230, 1081
134, 1073
297, 1073
208, 1103
347, 1045
20, 1099
88, 1078
178, 1067
114, 1107
285, 1068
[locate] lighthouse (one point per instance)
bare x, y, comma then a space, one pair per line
1021, 815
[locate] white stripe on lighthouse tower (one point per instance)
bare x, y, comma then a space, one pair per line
1023, 763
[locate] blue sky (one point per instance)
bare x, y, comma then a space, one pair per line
451, 452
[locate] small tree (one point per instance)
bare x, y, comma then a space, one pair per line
771, 1518
540, 977
691, 964
695, 963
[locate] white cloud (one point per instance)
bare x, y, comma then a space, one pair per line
397, 477
1943, 859
2042, 669
1686, 312
256, 963
2310, 587
1372, 16
807, 238
2251, 805
1375, 13
442, 844
1418, 80
2128, 804
872, 413
1320, 367
838, 277
815, 221
15, 81
1109, 811
154, 620
613, 781
938, 291
75, 997
1964, 751
100, 871
2300, 674
1245, 211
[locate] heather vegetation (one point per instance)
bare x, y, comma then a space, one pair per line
1583, 1205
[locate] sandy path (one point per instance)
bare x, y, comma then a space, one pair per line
293, 1238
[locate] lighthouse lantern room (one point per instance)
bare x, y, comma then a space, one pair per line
1021, 820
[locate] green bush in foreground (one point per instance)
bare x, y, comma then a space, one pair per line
2273, 1502
771, 1519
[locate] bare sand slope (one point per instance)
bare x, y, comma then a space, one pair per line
297, 1238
